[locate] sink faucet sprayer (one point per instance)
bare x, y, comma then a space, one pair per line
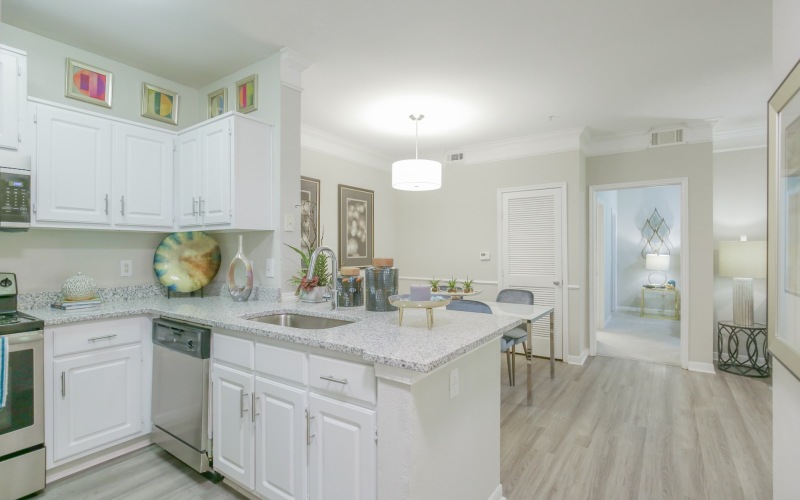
334, 274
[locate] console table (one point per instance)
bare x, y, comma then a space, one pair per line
662, 293
728, 338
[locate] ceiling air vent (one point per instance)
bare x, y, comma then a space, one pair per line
456, 156
666, 137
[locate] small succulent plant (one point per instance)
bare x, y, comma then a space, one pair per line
452, 285
468, 285
434, 284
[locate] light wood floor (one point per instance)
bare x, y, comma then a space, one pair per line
611, 429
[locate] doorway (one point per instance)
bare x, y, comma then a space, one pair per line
638, 301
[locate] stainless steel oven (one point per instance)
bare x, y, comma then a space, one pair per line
22, 453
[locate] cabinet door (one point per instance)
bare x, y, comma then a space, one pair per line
233, 426
343, 451
73, 166
215, 206
142, 176
10, 110
187, 179
97, 399
281, 448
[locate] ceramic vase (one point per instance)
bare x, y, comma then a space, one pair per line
240, 293
316, 294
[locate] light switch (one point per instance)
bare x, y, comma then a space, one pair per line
288, 222
269, 269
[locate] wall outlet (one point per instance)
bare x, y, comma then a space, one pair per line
288, 222
269, 268
453, 383
486, 256
126, 268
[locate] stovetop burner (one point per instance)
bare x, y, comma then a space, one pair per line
8, 319
17, 322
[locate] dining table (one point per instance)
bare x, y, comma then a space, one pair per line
529, 313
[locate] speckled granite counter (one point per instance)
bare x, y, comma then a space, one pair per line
373, 336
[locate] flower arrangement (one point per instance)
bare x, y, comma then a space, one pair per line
321, 275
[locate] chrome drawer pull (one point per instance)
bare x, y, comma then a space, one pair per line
122, 205
309, 418
63, 384
331, 378
102, 338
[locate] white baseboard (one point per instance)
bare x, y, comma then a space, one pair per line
694, 366
578, 360
497, 494
655, 313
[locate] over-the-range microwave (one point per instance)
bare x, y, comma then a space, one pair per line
15, 191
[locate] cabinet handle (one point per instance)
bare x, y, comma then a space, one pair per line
254, 407
94, 339
242, 409
202, 201
331, 378
106, 204
122, 205
63, 384
309, 418
194, 205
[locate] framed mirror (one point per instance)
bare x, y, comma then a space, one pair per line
783, 230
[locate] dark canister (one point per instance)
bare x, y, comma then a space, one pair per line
382, 282
351, 289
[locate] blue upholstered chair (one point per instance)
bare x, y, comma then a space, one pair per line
518, 335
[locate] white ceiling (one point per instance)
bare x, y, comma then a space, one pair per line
480, 71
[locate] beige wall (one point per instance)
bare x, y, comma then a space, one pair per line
694, 162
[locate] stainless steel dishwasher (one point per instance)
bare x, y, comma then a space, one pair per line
181, 357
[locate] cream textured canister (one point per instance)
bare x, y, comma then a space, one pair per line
79, 287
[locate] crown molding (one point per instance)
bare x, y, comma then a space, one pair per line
293, 64
693, 132
737, 140
520, 147
323, 142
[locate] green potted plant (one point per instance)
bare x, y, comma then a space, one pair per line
310, 290
468, 285
434, 285
452, 285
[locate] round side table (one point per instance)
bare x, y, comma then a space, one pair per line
729, 336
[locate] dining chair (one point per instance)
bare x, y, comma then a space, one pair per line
518, 335
506, 342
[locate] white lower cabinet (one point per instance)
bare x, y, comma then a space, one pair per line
98, 386
99, 399
282, 437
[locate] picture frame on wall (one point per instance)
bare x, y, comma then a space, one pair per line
356, 226
783, 222
88, 83
218, 102
309, 212
247, 94
159, 104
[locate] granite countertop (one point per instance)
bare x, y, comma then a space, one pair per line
373, 336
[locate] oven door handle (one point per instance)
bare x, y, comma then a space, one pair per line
25, 337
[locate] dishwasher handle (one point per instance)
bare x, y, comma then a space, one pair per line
191, 340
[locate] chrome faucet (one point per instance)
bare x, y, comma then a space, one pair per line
334, 273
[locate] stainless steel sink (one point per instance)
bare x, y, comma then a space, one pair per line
301, 321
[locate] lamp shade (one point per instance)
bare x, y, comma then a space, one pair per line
656, 262
416, 175
743, 259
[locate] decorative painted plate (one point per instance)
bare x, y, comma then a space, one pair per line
185, 262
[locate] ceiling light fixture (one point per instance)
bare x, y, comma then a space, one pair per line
416, 174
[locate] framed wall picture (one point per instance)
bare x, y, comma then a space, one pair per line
783, 222
159, 104
87, 83
218, 102
247, 94
356, 226
309, 212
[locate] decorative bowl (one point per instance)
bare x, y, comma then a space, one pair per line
79, 287
188, 261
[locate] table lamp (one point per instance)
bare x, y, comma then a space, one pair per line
743, 260
657, 263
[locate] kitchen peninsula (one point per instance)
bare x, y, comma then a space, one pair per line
434, 394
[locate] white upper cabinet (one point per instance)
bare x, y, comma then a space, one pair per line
73, 167
13, 91
224, 175
142, 176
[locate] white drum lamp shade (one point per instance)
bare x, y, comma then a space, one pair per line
416, 175
656, 262
743, 261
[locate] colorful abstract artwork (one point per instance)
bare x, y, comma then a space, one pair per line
218, 102
247, 94
159, 104
87, 83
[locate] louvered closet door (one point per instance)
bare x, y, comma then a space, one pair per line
531, 233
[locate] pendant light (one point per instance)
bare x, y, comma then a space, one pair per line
416, 174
